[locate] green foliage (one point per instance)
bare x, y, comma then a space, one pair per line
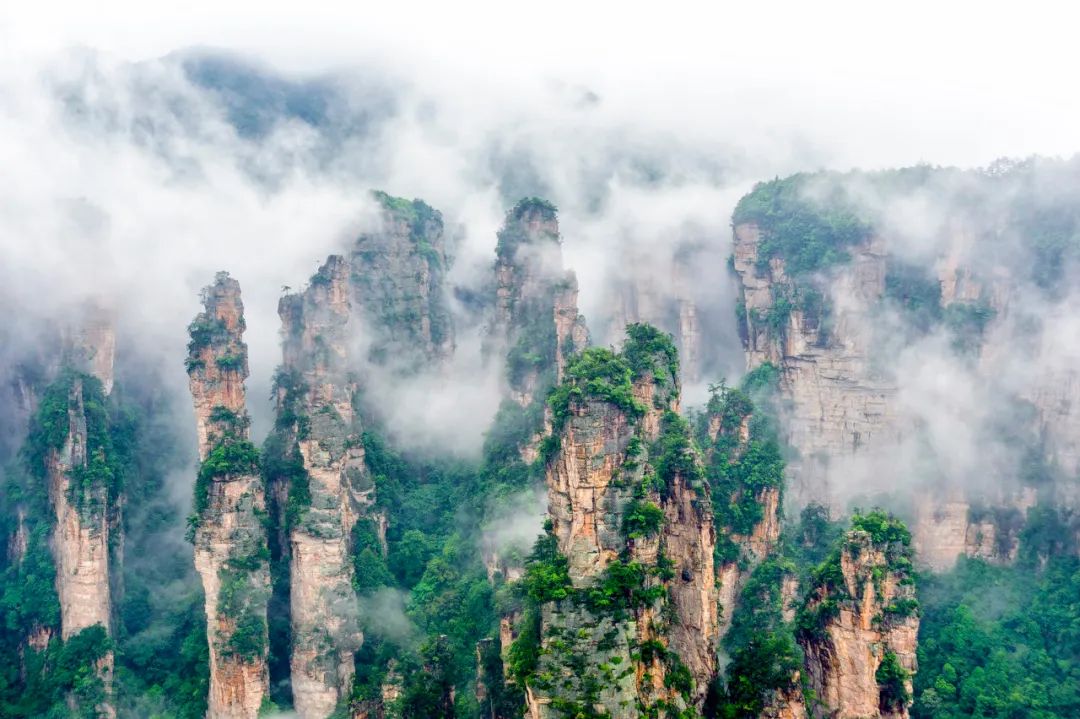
240, 599
967, 321
597, 373
624, 586
369, 566
915, 292
1000, 642
1046, 534
230, 362
828, 588
806, 220
764, 656
892, 684
650, 350
676, 456
230, 456
533, 204
740, 471
416, 212
762, 380
642, 519
882, 527
547, 578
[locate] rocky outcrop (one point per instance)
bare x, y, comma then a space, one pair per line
396, 280
84, 504
848, 423
629, 510
858, 628
84, 491
534, 329
329, 490
229, 534
535, 325
786, 703
836, 403
743, 544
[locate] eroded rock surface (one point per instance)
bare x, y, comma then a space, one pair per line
229, 534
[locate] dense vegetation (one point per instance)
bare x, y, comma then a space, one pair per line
159, 638
1000, 641
807, 220
739, 468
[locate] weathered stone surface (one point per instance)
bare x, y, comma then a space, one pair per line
326, 431
396, 279
85, 519
91, 344
850, 424
836, 403
535, 324
657, 291
946, 529
843, 657
603, 456
230, 538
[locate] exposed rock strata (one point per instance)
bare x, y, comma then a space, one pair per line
604, 453
845, 416
81, 536
229, 533
536, 324
396, 280
316, 406
859, 620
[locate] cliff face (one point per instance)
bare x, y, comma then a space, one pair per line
331, 490
658, 291
85, 508
229, 533
85, 491
91, 344
858, 629
536, 324
397, 283
861, 419
629, 511
838, 404
947, 529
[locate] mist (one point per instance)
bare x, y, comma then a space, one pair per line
139, 164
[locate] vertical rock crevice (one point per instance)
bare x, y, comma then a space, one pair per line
327, 489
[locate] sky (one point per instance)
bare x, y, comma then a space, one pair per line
718, 95
870, 84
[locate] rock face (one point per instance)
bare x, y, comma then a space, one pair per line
82, 535
229, 533
629, 510
84, 491
331, 490
397, 284
656, 291
85, 516
854, 413
536, 324
91, 344
858, 631
838, 403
